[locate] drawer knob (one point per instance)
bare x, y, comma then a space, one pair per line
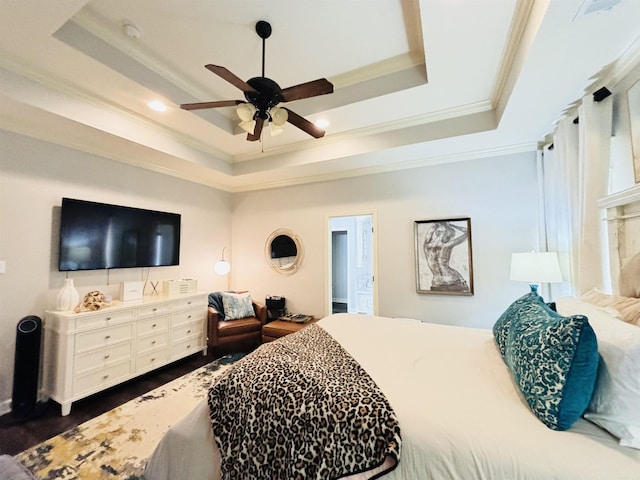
153, 359
155, 309
108, 318
153, 342
107, 356
188, 331
188, 347
189, 316
154, 325
105, 376
107, 337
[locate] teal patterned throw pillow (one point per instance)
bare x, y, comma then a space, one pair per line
237, 305
553, 359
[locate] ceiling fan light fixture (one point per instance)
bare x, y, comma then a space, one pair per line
246, 112
248, 125
279, 116
275, 129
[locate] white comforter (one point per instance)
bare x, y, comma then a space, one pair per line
460, 413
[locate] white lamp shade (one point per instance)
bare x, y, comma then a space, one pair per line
248, 126
222, 267
279, 116
246, 111
535, 267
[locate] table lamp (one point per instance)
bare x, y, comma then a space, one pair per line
535, 268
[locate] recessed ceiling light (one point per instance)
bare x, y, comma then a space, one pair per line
322, 123
157, 105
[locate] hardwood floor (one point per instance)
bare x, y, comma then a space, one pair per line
16, 435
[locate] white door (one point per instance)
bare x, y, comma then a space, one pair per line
352, 264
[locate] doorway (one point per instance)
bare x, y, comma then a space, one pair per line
352, 287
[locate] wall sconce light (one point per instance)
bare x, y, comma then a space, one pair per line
222, 267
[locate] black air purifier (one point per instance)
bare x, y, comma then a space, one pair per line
26, 367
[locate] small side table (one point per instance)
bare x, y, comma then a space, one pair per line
279, 328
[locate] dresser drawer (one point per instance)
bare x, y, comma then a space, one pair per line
187, 346
152, 325
191, 302
185, 330
151, 360
103, 337
99, 358
156, 309
104, 319
187, 316
150, 342
101, 379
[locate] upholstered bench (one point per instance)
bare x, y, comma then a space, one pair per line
279, 328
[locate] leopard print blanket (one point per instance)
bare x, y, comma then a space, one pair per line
301, 408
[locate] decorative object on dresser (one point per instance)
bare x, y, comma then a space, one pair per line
131, 291
92, 301
68, 297
231, 329
283, 326
179, 287
87, 352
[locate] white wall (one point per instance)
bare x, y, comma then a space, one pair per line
34, 176
499, 194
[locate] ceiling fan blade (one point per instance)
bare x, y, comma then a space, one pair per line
322, 86
230, 77
304, 124
257, 131
201, 105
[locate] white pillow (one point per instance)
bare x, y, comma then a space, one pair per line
237, 305
615, 405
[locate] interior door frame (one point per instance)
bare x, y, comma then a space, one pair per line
328, 255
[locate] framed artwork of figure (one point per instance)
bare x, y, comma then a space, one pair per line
443, 256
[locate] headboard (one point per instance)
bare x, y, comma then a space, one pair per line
622, 214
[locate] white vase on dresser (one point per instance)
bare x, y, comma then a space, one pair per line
68, 297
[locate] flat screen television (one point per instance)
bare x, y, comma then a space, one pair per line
96, 236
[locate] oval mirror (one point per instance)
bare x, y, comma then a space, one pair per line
283, 251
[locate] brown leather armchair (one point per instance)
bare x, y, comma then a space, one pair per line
243, 332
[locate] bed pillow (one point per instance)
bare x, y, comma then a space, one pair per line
502, 326
627, 307
237, 305
553, 359
616, 400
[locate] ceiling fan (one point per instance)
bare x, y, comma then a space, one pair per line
263, 96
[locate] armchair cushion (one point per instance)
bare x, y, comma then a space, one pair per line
237, 306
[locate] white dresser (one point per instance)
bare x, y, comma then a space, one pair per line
87, 352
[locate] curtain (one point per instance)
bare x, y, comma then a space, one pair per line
574, 176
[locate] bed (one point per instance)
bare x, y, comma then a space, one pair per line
461, 414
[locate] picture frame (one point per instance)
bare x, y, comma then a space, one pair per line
444, 261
